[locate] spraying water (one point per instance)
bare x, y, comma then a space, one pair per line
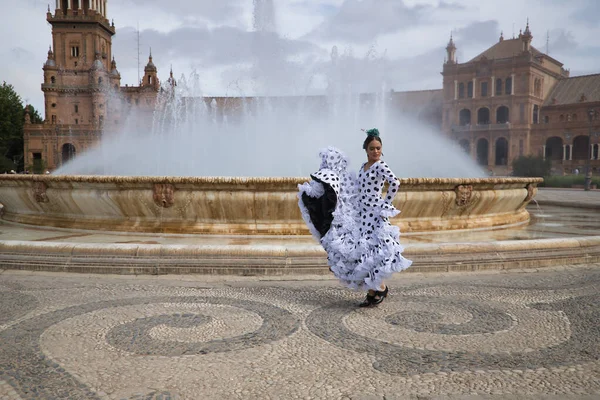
271, 135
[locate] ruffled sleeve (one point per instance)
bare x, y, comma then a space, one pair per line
389, 176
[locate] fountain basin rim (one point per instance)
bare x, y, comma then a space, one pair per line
257, 180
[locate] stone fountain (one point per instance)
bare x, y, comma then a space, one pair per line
246, 206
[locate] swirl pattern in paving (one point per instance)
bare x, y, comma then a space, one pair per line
455, 335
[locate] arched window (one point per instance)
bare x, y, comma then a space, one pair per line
150, 79
574, 117
508, 86
52, 80
501, 151
561, 118
498, 87
502, 115
464, 117
483, 116
461, 90
581, 147
68, 152
536, 111
546, 119
470, 89
554, 148
482, 152
465, 145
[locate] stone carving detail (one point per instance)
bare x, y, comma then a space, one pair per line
531, 190
463, 195
39, 192
164, 194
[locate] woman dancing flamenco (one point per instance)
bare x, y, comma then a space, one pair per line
350, 218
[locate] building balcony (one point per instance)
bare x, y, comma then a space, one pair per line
81, 16
480, 127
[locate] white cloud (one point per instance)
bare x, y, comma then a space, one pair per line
216, 39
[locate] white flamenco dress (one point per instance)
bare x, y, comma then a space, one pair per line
349, 217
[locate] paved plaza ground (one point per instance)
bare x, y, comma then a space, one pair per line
523, 334
500, 334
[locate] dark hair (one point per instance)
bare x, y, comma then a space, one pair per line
369, 139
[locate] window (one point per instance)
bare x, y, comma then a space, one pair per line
53, 105
99, 80
52, 80
536, 109
38, 164
484, 89
101, 120
561, 118
75, 51
54, 119
574, 118
461, 90
76, 121
508, 86
498, 87
537, 87
470, 89
546, 119
76, 108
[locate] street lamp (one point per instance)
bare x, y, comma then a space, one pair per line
590, 153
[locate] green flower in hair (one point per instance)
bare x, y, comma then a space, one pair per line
373, 132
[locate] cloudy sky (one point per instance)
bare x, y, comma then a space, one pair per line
244, 47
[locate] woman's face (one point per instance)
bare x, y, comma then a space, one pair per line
374, 151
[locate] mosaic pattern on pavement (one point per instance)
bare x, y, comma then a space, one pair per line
500, 334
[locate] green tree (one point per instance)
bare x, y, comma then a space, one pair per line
531, 166
35, 116
11, 128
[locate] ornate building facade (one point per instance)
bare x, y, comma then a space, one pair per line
513, 100
82, 86
508, 101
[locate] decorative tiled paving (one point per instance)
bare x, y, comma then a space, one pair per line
494, 335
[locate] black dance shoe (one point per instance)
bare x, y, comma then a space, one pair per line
380, 295
368, 301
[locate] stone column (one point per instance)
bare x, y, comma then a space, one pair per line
493, 86
591, 151
105, 13
58, 4
512, 84
564, 152
571, 152
474, 87
544, 151
455, 89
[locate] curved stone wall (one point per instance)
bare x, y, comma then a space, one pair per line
248, 206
